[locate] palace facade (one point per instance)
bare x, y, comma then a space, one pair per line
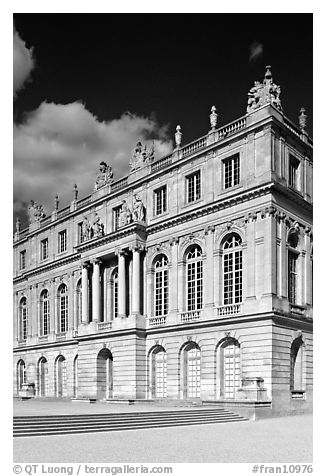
190, 278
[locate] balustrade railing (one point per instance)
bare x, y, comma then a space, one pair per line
84, 201
43, 338
194, 146
231, 128
157, 321
61, 336
119, 184
229, 309
160, 164
190, 316
104, 326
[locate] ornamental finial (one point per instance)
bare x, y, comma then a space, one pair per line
178, 136
302, 119
213, 118
264, 93
56, 202
75, 192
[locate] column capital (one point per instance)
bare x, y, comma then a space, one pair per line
137, 247
96, 261
120, 252
85, 264
173, 241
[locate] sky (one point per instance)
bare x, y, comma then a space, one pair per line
87, 87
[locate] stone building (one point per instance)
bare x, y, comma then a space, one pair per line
190, 278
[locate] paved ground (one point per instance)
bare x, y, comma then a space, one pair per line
278, 440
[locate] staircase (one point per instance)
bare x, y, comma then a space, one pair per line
91, 423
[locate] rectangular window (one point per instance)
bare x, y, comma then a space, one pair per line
62, 244
22, 259
160, 200
193, 187
292, 277
294, 172
80, 232
116, 215
232, 172
44, 249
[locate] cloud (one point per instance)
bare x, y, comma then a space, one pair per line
59, 145
255, 51
23, 62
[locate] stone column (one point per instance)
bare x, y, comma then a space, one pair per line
109, 295
75, 325
135, 304
71, 307
85, 292
52, 305
121, 283
150, 292
96, 286
270, 265
308, 264
283, 258
250, 265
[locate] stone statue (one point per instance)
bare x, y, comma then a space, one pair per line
87, 231
138, 209
104, 176
18, 225
264, 93
98, 227
35, 212
125, 215
141, 157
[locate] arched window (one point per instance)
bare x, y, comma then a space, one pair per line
63, 308
60, 376
194, 270
293, 278
159, 372
21, 374
79, 301
232, 270
161, 284
296, 372
115, 295
23, 319
45, 312
192, 371
104, 378
42, 377
230, 368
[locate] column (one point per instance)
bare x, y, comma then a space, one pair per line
85, 293
283, 258
308, 264
135, 304
96, 286
270, 265
52, 305
121, 284
75, 325
250, 263
71, 303
109, 295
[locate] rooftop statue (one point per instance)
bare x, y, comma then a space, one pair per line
35, 212
104, 176
264, 93
141, 157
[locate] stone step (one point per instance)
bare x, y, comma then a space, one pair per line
68, 424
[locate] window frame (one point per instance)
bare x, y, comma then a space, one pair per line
162, 201
23, 319
194, 286
63, 308
294, 173
22, 260
44, 249
45, 313
232, 270
62, 240
115, 216
161, 286
195, 188
233, 182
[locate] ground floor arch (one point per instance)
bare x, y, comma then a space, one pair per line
60, 377
229, 368
42, 371
158, 372
191, 374
104, 374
